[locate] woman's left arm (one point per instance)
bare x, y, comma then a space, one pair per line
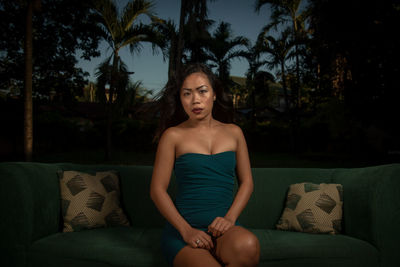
245, 180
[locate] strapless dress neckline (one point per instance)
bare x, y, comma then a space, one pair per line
203, 154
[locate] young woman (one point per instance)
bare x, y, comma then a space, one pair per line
206, 155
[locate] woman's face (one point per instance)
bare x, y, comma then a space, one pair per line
197, 96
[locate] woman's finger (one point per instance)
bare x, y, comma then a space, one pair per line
212, 225
208, 241
226, 227
199, 242
218, 228
204, 244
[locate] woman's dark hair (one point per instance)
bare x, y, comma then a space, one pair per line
170, 106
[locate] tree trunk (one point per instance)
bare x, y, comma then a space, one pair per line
179, 51
109, 107
284, 86
172, 57
253, 105
296, 40
108, 133
28, 116
298, 93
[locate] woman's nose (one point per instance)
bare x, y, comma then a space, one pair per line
196, 98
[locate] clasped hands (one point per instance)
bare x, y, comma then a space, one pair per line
200, 239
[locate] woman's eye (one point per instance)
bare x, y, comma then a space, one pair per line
203, 91
186, 94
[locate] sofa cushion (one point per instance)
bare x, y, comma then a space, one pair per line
114, 246
90, 200
286, 248
127, 246
313, 208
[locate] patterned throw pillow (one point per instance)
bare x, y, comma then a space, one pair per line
90, 201
313, 208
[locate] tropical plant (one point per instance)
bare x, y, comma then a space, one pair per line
57, 31
196, 37
170, 34
60, 29
119, 31
253, 57
193, 31
289, 12
279, 50
126, 91
222, 49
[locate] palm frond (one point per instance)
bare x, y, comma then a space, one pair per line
143, 33
236, 54
109, 15
259, 4
133, 9
239, 41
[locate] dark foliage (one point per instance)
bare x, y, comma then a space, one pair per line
62, 28
365, 35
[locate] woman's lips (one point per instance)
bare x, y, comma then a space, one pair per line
197, 110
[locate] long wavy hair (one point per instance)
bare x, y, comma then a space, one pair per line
169, 103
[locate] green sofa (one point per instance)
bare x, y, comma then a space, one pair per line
31, 220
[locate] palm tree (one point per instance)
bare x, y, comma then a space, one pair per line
196, 37
279, 51
221, 50
31, 6
193, 15
253, 56
288, 11
125, 90
168, 30
119, 31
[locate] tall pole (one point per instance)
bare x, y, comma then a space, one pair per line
28, 105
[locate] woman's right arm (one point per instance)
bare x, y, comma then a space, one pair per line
164, 162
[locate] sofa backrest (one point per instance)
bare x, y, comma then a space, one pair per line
362, 186
262, 211
41, 191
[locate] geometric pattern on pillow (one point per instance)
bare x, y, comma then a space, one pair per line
313, 208
90, 201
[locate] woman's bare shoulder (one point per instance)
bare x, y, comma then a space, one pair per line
171, 133
232, 128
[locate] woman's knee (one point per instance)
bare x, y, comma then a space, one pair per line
241, 248
247, 249
188, 257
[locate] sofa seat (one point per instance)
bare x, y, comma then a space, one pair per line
114, 246
285, 248
128, 246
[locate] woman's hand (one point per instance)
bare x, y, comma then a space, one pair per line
219, 226
198, 239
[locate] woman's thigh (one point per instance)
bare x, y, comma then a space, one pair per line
238, 245
193, 257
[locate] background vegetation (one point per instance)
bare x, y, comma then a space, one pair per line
322, 86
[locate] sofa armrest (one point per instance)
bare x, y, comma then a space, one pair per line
372, 207
29, 208
16, 211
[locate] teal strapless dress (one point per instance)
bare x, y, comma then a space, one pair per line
205, 191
